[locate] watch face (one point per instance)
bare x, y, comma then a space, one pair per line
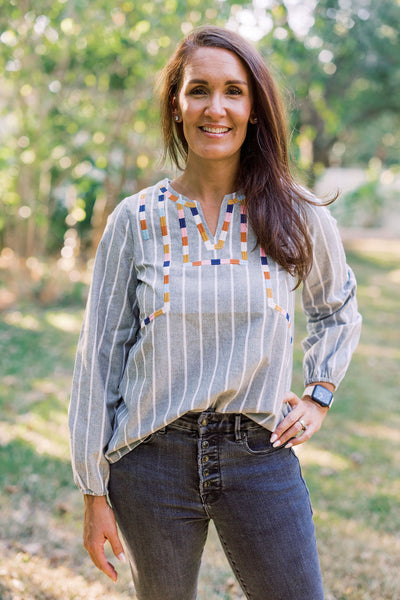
321, 394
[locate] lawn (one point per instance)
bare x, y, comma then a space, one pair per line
352, 466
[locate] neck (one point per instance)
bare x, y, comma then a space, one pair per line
207, 181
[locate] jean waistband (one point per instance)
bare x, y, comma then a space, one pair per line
220, 421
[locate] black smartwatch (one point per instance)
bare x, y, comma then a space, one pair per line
319, 394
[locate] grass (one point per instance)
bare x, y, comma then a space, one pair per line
352, 466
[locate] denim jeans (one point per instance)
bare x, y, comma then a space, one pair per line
222, 467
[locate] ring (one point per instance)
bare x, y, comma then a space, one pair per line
303, 425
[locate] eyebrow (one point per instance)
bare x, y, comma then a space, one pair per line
229, 82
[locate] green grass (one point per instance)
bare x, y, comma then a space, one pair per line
352, 466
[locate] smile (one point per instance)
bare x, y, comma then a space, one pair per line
215, 129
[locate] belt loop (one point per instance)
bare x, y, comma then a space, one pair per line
238, 433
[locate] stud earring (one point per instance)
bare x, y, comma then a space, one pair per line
255, 120
176, 118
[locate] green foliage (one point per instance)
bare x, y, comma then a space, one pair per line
345, 77
79, 119
77, 103
371, 204
366, 199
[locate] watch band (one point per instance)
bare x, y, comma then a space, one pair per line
309, 390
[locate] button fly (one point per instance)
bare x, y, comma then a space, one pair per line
209, 433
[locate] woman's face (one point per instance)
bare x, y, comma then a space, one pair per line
214, 104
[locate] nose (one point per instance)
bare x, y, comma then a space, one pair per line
215, 107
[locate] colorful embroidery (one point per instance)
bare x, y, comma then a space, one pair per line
197, 219
166, 262
142, 216
218, 261
182, 224
271, 303
243, 230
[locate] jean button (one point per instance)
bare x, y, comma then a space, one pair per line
206, 473
204, 422
205, 459
204, 444
206, 484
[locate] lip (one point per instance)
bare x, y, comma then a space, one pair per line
215, 129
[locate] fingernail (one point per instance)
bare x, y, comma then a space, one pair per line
277, 444
273, 438
289, 445
122, 557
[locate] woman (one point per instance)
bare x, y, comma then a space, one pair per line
181, 409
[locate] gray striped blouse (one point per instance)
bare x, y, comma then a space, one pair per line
180, 320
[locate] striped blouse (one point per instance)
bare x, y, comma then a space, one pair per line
180, 320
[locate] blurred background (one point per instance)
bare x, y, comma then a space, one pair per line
79, 130
79, 125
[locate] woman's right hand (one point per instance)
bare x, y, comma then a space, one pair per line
99, 526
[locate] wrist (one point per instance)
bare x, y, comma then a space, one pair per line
91, 500
329, 386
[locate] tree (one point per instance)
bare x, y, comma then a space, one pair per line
345, 74
79, 118
79, 123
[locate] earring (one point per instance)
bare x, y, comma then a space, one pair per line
176, 118
255, 120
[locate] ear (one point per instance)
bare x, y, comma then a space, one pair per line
175, 110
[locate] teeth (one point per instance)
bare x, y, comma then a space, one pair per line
215, 129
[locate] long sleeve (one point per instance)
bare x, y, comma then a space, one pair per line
330, 304
109, 330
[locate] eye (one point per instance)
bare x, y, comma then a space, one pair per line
234, 91
198, 91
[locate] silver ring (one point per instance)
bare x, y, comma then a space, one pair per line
303, 425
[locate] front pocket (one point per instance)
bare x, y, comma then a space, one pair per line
257, 442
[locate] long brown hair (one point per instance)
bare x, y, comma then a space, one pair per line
274, 201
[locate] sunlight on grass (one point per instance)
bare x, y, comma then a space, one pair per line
378, 350
371, 556
24, 321
394, 276
311, 455
378, 431
30, 577
375, 246
35, 431
65, 321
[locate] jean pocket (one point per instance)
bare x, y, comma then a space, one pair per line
257, 441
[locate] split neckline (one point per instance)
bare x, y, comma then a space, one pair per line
212, 242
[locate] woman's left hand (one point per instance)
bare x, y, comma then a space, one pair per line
300, 424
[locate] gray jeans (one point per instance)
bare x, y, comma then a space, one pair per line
220, 467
